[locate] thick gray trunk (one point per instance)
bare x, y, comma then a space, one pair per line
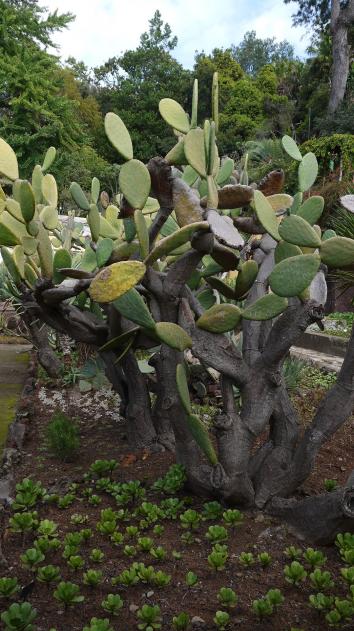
341, 20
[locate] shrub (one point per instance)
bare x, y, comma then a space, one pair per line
62, 436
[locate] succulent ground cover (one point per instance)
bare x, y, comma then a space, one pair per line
130, 536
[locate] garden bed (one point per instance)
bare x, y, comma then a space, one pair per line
102, 436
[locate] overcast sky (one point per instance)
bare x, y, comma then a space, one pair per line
105, 28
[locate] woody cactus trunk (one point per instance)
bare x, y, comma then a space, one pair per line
193, 257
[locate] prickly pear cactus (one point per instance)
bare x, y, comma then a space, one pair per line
187, 205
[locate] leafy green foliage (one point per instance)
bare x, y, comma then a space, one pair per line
62, 436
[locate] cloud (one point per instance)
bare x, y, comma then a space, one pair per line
105, 28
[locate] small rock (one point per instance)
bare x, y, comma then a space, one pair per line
198, 622
133, 608
149, 594
260, 517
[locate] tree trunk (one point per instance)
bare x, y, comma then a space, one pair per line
340, 23
320, 518
39, 335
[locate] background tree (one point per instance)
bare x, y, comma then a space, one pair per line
134, 83
337, 18
253, 53
34, 113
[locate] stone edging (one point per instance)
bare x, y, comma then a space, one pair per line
17, 432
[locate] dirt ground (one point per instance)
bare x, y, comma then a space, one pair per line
102, 436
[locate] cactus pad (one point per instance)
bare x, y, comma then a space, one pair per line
266, 215
174, 115
220, 318
308, 170
135, 183
132, 306
292, 275
265, 308
337, 252
291, 148
8, 161
296, 230
118, 135
115, 280
173, 335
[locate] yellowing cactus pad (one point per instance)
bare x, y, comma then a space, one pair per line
115, 280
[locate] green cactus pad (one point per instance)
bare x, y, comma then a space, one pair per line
280, 201
19, 259
88, 262
211, 267
220, 318
176, 155
142, 232
45, 252
225, 171
49, 217
129, 228
79, 196
27, 201
221, 287
151, 206
337, 252
201, 437
297, 201
266, 215
10, 265
120, 340
312, 209
49, 158
174, 115
50, 190
8, 161
206, 298
107, 230
115, 280
328, 234
215, 100
62, 259
212, 195
296, 230
14, 209
175, 240
245, 278
173, 335
37, 178
125, 250
104, 251
291, 148
33, 228
11, 230
94, 222
284, 250
132, 306
29, 245
182, 387
135, 183
118, 135
194, 149
95, 190
190, 175
30, 275
308, 170
194, 116
292, 275
265, 308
